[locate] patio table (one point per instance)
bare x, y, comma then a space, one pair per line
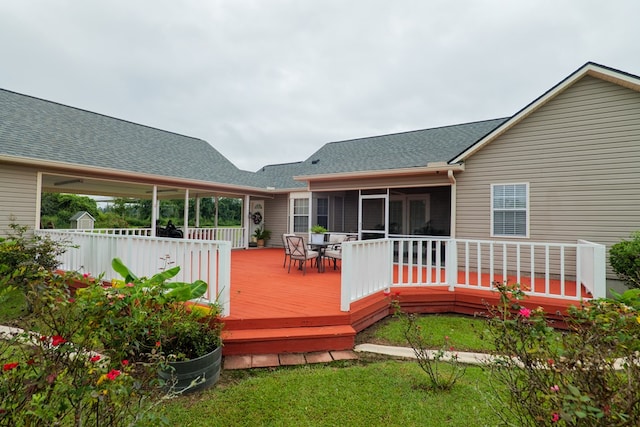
320, 247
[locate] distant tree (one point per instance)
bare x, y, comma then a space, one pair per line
58, 208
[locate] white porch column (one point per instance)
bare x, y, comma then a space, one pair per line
197, 211
154, 210
216, 200
186, 215
310, 216
245, 220
454, 195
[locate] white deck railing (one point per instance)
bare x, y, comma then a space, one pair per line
145, 256
543, 269
235, 235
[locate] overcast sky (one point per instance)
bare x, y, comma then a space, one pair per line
271, 81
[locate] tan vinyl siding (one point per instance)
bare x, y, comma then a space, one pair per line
18, 196
579, 153
277, 218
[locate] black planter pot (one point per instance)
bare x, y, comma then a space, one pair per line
180, 375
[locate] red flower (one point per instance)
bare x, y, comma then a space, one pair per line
86, 275
10, 366
95, 358
158, 343
72, 300
125, 362
56, 340
396, 293
113, 374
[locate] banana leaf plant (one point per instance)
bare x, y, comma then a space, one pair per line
173, 291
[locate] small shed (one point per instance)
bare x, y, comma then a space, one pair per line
82, 221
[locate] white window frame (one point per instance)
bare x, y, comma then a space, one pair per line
514, 209
292, 198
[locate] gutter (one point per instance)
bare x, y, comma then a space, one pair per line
99, 172
431, 168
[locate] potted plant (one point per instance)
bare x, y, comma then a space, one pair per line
152, 319
261, 234
317, 233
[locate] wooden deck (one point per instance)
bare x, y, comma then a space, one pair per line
273, 311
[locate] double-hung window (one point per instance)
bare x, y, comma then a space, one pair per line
510, 210
300, 215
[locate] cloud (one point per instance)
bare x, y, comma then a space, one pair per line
271, 81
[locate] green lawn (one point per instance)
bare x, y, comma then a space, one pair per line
464, 332
12, 305
390, 393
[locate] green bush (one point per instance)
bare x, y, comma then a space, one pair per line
25, 256
624, 258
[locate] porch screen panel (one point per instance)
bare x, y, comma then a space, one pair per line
373, 214
300, 215
510, 207
322, 217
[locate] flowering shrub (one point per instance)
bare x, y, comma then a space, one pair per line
441, 365
51, 377
140, 319
96, 356
586, 376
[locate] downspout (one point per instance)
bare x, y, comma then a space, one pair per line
452, 180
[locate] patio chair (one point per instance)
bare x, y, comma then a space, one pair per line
299, 252
335, 253
287, 250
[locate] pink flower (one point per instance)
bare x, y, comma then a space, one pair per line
95, 358
125, 362
113, 374
525, 312
555, 387
56, 340
555, 417
9, 366
130, 285
120, 296
86, 275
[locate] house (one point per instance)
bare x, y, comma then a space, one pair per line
563, 168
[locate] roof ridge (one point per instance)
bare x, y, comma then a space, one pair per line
99, 114
417, 130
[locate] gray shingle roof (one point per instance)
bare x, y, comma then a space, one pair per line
38, 129
399, 150
394, 151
